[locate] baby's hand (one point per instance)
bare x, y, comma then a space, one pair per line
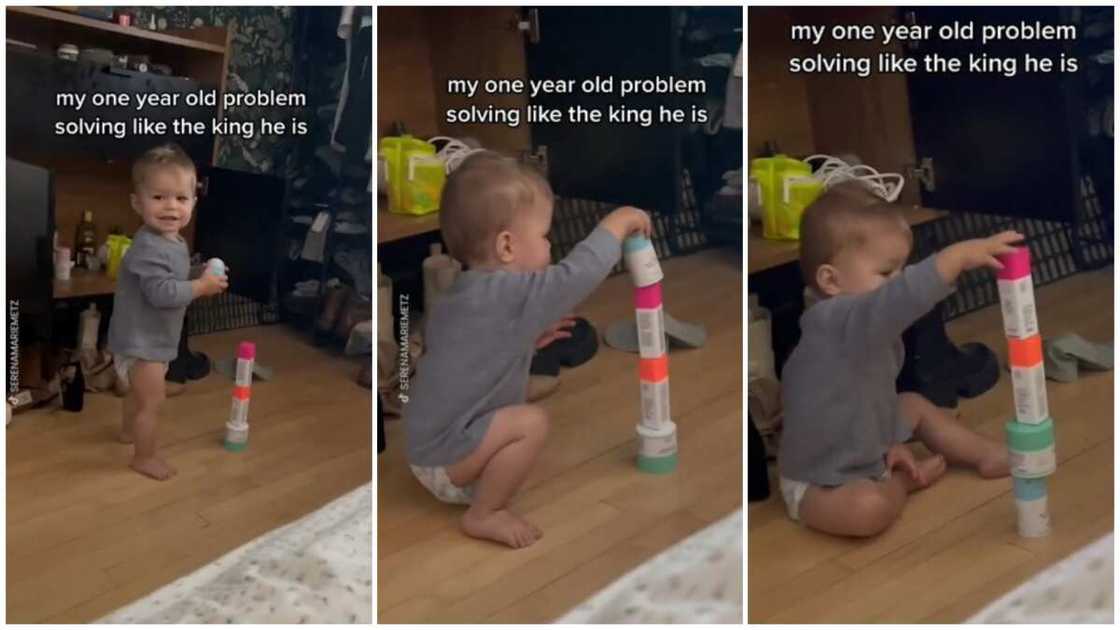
209, 284
898, 456
626, 221
980, 252
556, 331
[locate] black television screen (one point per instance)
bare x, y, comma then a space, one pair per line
29, 221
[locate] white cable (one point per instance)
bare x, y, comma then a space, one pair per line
834, 171
454, 152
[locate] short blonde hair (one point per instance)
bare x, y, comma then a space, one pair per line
482, 197
161, 157
846, 215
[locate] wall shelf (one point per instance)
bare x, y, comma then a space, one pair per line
69, 26
84, 178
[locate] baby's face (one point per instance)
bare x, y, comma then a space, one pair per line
866, 268
531, 248
165, 200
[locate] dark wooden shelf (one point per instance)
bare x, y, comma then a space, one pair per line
64, 23
393, 227
83, 180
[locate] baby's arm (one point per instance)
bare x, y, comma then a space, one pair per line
885, 313
162, 290
980, 252
880, 316
158, 283
552, 293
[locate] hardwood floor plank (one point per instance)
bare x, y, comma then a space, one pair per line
955, 547
87, 535
600, 515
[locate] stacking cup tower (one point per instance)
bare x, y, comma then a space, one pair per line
1030, 435
237, 429
657, 435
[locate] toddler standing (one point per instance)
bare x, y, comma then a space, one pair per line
153, 291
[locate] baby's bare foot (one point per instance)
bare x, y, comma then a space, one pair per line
931, 469
536, 530
995, 464
501, 526
154, 467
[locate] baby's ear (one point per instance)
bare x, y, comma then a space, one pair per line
135, 202
828, 280
503, 246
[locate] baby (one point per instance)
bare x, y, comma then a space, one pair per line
844, 466
471, 438
153, 291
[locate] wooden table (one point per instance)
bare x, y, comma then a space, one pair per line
764, 254
393, 227
84, 283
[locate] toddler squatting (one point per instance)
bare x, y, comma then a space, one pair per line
844, 466
153, 291
471, 437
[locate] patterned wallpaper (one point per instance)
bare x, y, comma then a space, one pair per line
261, 58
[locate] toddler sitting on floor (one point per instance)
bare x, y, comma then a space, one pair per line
845, 468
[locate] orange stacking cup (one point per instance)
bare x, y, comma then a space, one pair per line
654, 370
1025, 352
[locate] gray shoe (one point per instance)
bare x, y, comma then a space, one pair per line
1065, 354
623, 334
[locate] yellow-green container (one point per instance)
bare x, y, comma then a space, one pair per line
787, 187
415, 194
423, 184
118, 246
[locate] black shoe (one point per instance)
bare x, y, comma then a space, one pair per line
580, 347
545, 363
978, 370
942, 393
176, 372
568, 352
931, 366
198, 366
188, 365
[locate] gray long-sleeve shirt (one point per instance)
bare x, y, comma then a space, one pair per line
478, 344
838, 386
152, 296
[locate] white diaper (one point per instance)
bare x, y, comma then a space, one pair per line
794, 491
435, 479
122, 364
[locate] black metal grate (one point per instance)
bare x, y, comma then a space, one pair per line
687, 229
226, 312
1093, 229
1053, 254
674, 234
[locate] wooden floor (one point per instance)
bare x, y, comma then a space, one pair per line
955, 548
600, 516
86, 535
